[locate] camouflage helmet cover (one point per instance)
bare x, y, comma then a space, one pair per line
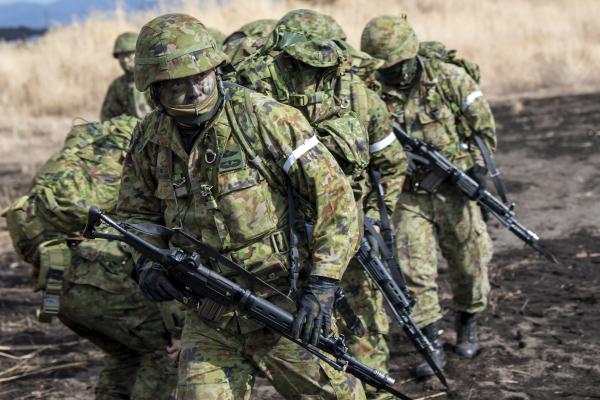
217, 35
389, 38
313, 24
125, 43
258, 28
174, 46
305, 36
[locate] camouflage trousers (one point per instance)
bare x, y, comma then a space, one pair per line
423, 222
222, 363
366, 301
129, 330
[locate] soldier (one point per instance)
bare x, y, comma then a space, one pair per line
248, 39
214, 158
87, 283
308, 65
122, 97
441, 104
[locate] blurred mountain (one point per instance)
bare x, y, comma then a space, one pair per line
60, 12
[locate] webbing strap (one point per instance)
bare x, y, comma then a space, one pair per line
491, 166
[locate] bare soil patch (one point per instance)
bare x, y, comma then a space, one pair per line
539, 335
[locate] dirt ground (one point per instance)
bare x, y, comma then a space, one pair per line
539, 335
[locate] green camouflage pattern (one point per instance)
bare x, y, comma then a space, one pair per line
217, 35
367, 302
389, 38
344, 101
102, 304
238, 210
223, 364
258, 28
443, 98
85, 172
312, 24
122, 98
444, 108
99, 300
423, 222
248, 39
174, 46
125, 43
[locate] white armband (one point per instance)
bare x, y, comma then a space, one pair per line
470, 99
383, 143
299, 152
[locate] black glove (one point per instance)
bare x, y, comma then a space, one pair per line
315, 306
154, 283
478, 173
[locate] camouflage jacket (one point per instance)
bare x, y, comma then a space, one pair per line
444, 108
85, 172
337, 106
222, 197
123, 98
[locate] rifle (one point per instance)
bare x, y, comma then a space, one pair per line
196, 281
440, 170
398, 302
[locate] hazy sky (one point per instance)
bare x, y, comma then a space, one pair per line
26, 1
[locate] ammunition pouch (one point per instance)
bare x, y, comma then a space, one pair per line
55, 259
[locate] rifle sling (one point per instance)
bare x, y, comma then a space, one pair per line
491, 166
204, 250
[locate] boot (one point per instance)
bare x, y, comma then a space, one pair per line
467, 344
431, 331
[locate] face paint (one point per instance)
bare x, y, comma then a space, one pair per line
191, 100
126, 61
402, 74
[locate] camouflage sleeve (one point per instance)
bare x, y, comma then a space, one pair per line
325, 195
111, 106
136, 201
473, 107
387, 156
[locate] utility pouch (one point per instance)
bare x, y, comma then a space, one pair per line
55, 258
209, 310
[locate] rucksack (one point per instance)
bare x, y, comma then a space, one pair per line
437, 50
68, 184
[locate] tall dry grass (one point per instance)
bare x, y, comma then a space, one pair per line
521, 45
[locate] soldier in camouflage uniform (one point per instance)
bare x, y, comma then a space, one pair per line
308, 65
98, 299
215, 158
441, 104
122, 97
248, 39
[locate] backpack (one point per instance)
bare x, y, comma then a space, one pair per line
86, 171
437, 50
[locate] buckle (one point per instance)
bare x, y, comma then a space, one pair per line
278, 241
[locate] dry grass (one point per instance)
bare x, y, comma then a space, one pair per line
521, 45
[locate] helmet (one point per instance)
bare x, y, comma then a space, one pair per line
174, 46
389, 38
217, 35
258, 28
125, 43
312, 24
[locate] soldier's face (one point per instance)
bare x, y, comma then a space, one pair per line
193, 89
126, 61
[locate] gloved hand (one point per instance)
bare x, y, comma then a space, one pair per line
154, 283
478, 173
315, 306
